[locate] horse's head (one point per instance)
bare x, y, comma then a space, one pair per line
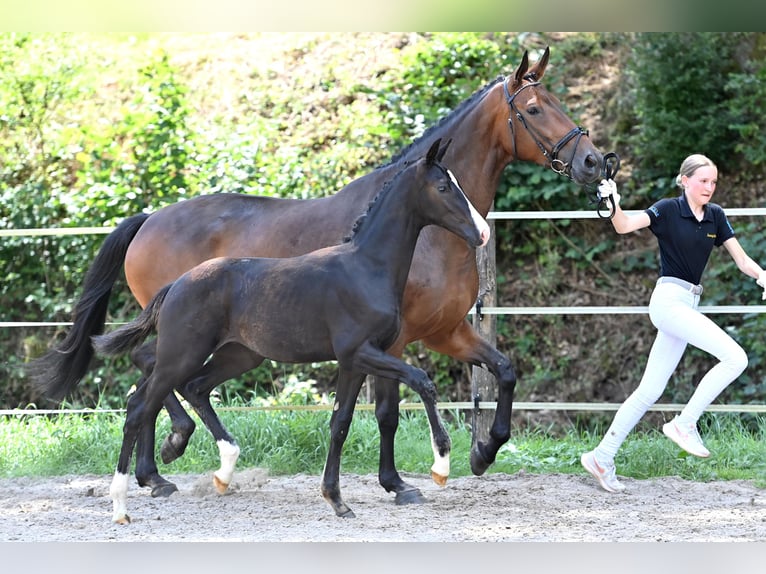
541, 132
442, 201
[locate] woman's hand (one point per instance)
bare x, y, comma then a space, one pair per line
762, 282
608, 188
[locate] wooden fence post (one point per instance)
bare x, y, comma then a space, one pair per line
483, 383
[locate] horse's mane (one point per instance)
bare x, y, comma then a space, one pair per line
362, 218
478, 94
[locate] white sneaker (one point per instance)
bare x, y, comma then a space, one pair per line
687, 437
604, 473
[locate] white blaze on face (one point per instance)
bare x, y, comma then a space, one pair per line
481, 224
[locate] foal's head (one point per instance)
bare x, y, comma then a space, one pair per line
443, 202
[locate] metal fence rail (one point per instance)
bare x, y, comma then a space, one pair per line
497, 215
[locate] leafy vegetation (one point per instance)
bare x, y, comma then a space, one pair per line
94, 128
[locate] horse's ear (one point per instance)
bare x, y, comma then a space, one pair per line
538, 70
432, 153
443, 150
521, 71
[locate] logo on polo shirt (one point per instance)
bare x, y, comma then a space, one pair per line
711, 235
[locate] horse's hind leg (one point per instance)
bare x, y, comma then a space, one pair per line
147, 473
140, 420
347, 390
182, 425
228, 362
387, 412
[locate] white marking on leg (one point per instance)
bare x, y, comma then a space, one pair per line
440, 467
118, 490
229, 453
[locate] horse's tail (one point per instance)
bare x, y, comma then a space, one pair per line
56, 373
134, 333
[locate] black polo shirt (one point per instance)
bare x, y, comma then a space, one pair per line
685, 243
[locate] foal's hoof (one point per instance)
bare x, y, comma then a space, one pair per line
164, 490
173, 447
410, 496
439, 479
479, 462
220, 486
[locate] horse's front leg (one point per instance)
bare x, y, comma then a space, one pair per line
374, 361
347, 390
387, 413
465, 344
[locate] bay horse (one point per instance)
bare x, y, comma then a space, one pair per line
337, 303
512, 118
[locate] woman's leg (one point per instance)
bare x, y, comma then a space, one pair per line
704, 334
664, 356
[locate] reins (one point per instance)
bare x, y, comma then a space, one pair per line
611, 167
557, 165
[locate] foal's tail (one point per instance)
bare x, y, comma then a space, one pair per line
129, 336
57, 373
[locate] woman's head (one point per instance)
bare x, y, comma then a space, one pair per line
698, 177
691, 164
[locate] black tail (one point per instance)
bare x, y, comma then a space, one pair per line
57, 373
128, 336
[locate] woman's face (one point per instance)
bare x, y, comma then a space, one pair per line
700, 185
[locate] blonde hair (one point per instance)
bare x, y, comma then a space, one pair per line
692, 164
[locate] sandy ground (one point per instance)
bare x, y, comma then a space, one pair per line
497, 507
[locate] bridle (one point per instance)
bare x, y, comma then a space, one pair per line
554, 162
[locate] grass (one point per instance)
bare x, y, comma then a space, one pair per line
292, 442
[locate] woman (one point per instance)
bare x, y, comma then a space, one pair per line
687, 228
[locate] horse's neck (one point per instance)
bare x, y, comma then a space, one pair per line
388, 235
476, 155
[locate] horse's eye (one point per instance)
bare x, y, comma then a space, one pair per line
533, 110
442, 188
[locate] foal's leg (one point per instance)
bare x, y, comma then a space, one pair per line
465, 344
147, 473
182, 425
228, 362
177, 361
387, 412
142, 410
347, 390
370, 359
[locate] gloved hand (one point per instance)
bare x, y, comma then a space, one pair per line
762, 282
607, 188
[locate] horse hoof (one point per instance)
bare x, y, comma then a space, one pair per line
410, 496
124, 519
164, 490
348, 513
439, 479
220, 486
171, 451
479, 464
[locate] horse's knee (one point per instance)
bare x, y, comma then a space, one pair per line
505, 375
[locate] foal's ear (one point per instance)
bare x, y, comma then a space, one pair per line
443, 150
431, 156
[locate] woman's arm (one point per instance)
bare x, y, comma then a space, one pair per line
742, 259
622, 222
